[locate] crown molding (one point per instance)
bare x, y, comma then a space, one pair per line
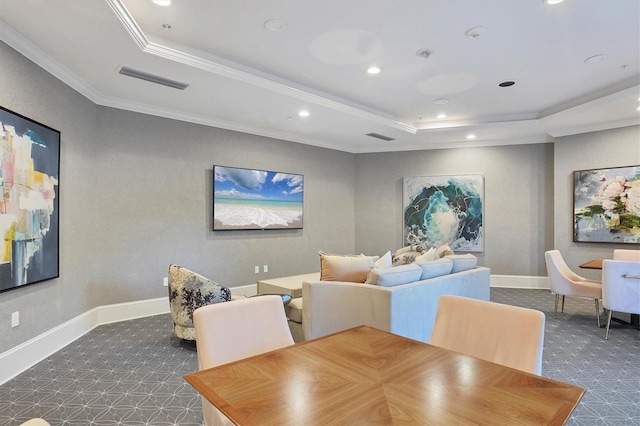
244, 74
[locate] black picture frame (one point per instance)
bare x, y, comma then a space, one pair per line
253, 199
29, 206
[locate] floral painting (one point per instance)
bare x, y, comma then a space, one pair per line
440, 210
607, 205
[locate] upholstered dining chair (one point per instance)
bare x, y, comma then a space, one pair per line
508, 335
564, 282
620, 288
622, 254
227, 332
36, 422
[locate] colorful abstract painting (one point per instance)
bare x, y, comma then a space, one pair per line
256, 199
29, 222
442, 210
607, 205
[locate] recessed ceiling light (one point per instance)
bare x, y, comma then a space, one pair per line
275, 25
507, 83
162, 2
595, 58
441, 116
374, 70
552, 1
303, 113
471, 136
441, 101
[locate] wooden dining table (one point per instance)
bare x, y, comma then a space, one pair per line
592, 264
368, 376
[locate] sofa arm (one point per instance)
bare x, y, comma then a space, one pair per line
341, 305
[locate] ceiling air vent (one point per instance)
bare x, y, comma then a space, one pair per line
132, 72
379, 136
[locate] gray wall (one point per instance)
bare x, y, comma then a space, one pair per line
609, 148
135, 196
518, 200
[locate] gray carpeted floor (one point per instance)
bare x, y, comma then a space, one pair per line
130, 373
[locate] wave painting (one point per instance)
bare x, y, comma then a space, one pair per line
256, 199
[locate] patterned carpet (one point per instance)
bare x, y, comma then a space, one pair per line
130, 373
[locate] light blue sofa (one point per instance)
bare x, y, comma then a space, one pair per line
408, 310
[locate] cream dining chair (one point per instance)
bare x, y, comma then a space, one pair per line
620, 288
622, 254
508, 335
564, 282
227, 332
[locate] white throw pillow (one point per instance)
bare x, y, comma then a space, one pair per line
395, 275
462, 262
435, 268
384, 261
430, 255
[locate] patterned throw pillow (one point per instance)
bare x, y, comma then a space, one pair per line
408, 254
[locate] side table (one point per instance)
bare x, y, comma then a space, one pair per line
286, 285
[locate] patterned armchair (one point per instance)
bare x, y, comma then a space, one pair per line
187, 292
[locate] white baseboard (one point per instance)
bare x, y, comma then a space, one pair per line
519, 281
24, 356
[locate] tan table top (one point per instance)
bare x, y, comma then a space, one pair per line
592, 264
365, 375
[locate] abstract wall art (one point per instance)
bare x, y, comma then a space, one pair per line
247, 199
29, 214
606, 205
441, 210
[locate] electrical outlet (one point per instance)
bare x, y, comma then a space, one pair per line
265, 268
15, 319
165, 281
257, 269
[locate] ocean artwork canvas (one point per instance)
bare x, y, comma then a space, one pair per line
440, 210
29, 213
256, 199
607, 205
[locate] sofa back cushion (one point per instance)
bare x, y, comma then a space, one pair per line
394, 275
351, 268
462, 262
434, 268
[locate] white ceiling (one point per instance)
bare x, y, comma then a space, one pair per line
243, 77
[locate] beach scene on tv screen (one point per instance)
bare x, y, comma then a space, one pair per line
256, 199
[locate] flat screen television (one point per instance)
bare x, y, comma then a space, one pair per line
256, 199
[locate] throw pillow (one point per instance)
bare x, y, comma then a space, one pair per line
431, 254
434, 268
384, 261
408, 254
394, 275
445, 250
351, 268
462, 262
